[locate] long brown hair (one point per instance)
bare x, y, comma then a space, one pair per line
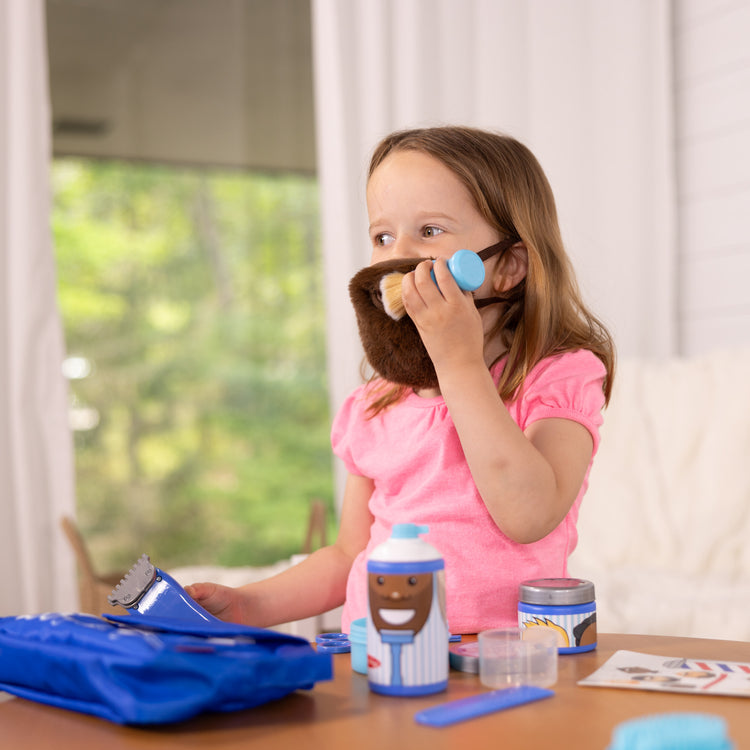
544, 314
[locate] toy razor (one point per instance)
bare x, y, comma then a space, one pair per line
147, 590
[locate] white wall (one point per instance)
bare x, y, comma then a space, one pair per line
712, 97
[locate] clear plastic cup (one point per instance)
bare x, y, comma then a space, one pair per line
514, 656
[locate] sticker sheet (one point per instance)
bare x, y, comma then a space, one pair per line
633, 670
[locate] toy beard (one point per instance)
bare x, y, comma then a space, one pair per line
394, 348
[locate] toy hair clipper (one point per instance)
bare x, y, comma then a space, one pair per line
147, 590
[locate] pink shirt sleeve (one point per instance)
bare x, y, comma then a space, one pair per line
568, 386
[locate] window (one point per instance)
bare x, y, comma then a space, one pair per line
186, 233
194, 319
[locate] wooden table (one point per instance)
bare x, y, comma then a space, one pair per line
343, 713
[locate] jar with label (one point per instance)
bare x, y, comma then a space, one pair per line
565, 605
407, 627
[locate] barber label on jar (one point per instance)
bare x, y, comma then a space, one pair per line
565, 605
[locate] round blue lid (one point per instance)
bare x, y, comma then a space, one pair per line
687, 731
467, 269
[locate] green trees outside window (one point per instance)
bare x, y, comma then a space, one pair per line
194, 320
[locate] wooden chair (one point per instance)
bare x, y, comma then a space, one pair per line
316, 527
93, 588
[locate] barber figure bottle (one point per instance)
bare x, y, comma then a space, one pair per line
407, 629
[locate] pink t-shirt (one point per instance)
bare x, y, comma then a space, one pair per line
413, 454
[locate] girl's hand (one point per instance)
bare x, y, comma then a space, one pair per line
446, 317
221, 601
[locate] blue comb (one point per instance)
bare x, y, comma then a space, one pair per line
445, 714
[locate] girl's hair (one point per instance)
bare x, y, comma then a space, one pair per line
544, 314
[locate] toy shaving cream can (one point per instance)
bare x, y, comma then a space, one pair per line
565, 605
407, 628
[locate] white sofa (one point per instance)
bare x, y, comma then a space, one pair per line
665, 526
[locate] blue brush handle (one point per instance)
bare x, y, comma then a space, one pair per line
467, 268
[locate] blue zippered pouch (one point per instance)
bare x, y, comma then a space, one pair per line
150, 670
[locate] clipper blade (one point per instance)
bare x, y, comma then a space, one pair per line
135, 584
148, 590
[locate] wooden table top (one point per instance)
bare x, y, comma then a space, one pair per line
344, 713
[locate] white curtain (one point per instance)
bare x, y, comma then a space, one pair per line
36, 464
586, 84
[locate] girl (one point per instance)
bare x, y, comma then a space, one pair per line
495, 457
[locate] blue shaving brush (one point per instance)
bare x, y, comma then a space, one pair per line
466, 267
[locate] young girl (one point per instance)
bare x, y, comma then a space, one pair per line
495, 457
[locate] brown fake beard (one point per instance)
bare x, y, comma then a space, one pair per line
393, 348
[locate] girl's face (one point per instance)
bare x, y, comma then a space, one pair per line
419, 208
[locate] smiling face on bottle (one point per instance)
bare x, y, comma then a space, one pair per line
400, 602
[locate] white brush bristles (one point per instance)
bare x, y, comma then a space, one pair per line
390, 292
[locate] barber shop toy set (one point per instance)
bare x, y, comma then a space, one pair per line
404, 645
